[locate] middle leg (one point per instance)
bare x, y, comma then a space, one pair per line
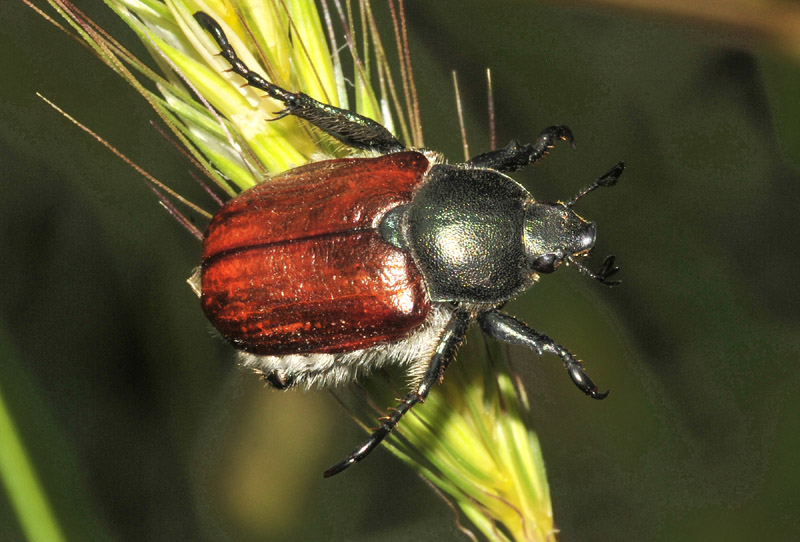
445, 352
350, 128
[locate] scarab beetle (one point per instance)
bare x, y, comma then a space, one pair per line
337, 267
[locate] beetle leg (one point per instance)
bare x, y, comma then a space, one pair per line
348, 127
280, 380
515, 156
445, 352
508, 329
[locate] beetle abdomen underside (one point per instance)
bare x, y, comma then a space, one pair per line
296, 265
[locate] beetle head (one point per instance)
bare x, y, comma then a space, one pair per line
554, 233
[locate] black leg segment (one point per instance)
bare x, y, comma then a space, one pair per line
279, 380
506, 328
348, 127
515, 156
445, 353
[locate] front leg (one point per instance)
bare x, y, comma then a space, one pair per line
445, 352
348, 127
506, 328
515, 156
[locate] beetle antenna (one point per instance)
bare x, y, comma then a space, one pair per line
609, 179
607, 269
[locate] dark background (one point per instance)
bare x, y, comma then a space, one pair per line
142, 428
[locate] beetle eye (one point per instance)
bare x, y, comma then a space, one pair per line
545, 263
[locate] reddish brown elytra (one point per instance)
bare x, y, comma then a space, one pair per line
297, 264
335, 268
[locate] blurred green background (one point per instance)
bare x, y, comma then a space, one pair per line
141, 427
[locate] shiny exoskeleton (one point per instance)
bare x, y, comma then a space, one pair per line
334, 268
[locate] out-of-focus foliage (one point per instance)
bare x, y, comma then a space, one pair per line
771, 23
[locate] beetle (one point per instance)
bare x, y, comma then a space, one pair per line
333, 269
